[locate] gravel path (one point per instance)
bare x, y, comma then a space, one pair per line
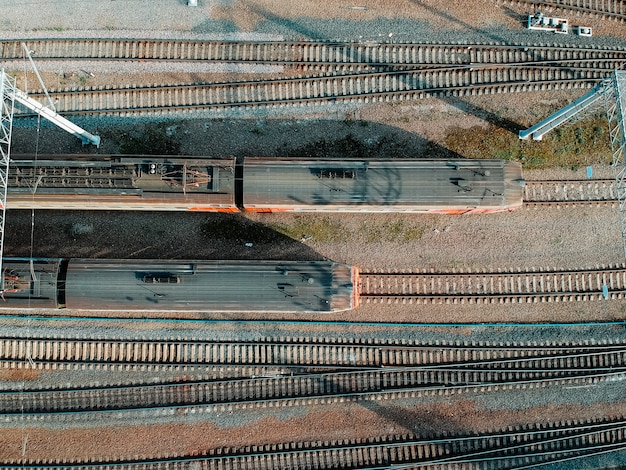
424, 20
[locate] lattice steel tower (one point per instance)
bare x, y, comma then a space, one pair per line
10, 95
7, 90
616, 105
611, 93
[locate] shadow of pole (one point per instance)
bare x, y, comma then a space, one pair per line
424, 424
453, 19
482, 113
284, 22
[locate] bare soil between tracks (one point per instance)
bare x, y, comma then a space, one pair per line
312, 423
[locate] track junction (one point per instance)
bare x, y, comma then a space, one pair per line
317, 73
285, 372
611, 9
502, 448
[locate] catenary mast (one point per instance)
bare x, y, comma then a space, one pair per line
610, 93
7, 90
10, 94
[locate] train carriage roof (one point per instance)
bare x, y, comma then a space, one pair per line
400, 184
214, 286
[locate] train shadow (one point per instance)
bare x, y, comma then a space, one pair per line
457, 21
346, 136
148, 235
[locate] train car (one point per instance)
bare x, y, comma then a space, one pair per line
141, 182
166, 285
32, 283
432, 186
264, 185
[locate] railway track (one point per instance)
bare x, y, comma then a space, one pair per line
553, 193
352, 88
305, 54
538, 445
614, 9
518, 447
372, 370
297, 354
350, 72
494, 287
336, 385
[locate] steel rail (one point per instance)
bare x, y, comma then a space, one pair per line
194, 400
519, 447
319, 90
537, 359
302, 354
610, 8
287, 52
529, 370
491, 287
572, 192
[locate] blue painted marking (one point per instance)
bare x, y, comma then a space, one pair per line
589, 172
605, 291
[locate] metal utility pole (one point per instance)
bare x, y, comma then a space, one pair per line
586, 103
7, 91
56, 118
50, 113
616, 106
9, 94
611, 93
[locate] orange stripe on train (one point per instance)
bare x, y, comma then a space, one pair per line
213, 209
266, 210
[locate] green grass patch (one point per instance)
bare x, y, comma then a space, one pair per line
399, 231
574, 145
313, 227
373, 230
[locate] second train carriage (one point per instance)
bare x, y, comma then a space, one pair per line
433, 186
264, 185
